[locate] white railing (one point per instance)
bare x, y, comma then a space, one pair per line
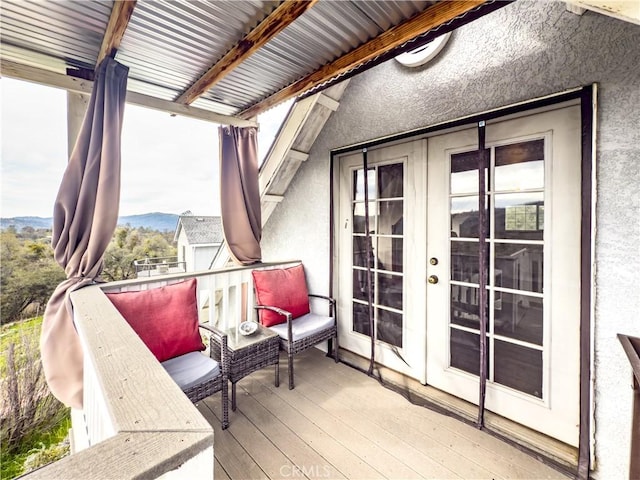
225, 295
136, 422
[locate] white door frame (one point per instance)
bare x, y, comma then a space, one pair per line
586, 96
557, 412
412, 154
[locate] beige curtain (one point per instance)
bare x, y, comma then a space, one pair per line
84, 219
240, 193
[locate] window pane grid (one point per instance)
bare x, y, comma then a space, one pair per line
386, 259
515, 207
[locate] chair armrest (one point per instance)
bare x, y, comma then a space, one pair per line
284, 313
331, 300
279, 311
324, 297
214, 331
220, 338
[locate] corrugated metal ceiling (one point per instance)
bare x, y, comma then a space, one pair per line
324, 33
169, 44
65, 33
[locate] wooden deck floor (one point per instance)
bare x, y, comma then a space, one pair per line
339, 423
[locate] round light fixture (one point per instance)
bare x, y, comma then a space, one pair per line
421, 55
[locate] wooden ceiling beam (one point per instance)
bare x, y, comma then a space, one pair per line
432, 17
73, 84
273, 24
118, 22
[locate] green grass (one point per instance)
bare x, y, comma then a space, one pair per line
44, 446
32, 437
13, 333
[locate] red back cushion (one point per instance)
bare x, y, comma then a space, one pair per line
165, 318
284, 288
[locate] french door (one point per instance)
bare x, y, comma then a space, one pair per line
384, 260
533, 241
415, 270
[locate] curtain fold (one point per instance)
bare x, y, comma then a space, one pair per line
84, 219
240, 193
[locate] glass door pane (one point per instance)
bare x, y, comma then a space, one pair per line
386, 252
464, 320
517, 260
516, 251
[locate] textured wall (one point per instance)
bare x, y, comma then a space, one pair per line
524, 50
202, 256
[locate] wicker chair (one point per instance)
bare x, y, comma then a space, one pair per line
200, 376
301, 333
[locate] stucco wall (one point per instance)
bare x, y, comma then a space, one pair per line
523, 51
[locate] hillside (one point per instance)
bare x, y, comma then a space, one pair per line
154, 221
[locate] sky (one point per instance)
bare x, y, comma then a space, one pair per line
169, 163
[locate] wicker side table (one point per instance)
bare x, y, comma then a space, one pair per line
250, 353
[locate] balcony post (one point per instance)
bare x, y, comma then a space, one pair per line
77, 104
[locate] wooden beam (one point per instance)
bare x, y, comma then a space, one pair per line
77, 104
273, 24
296, 155
573, 8
282, 144
626, 10
118, 22
72, 84
432, 17
328, 102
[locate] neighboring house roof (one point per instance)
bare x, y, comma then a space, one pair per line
200, 230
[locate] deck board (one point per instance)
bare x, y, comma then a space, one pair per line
350, 437
219, 472
234, 458
433, 430
366, 422
339, 423
341, 459
298, 451
393, 414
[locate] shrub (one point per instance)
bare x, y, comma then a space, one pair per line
28, 276
28, 411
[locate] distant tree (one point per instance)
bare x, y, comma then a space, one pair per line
129, 244
120, 236
37, 251
28, 276
118, 263
9, 250
28, 232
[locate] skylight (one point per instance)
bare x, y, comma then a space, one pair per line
421, 55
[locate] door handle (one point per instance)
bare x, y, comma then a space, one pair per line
433, 279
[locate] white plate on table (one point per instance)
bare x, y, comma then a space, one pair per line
248, 328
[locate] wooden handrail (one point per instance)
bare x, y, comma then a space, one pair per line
139, 424
136, 422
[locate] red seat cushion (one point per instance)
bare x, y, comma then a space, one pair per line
165, 318
284, 288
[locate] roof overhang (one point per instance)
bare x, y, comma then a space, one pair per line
223, 61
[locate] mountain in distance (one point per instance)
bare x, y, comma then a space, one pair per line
154, 221
20, 222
